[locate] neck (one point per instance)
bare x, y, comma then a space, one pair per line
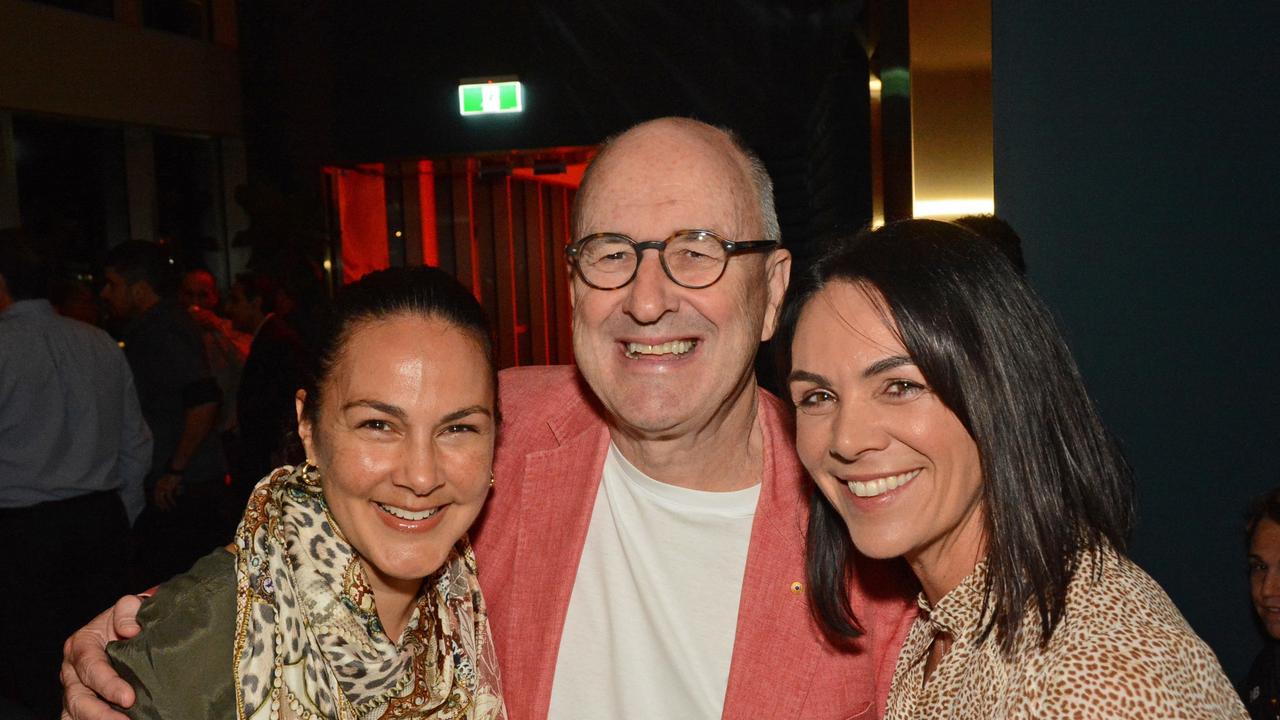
944, 565
394, 599
725, 453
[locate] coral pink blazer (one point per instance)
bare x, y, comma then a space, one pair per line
529, 540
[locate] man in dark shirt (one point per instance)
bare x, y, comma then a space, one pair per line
179, 400
265, 410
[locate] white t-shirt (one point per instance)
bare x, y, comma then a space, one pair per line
651, 622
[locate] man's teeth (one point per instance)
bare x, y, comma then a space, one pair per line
409, 514
675, 347
880, 486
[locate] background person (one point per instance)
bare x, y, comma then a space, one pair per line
73, 453
199, 293
199, 289
272, 375
179, 400
225, 348
73, 298
341, 619
945, 422
1261, 688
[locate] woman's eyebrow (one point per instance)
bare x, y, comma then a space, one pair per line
887, 364
393, 410
459, 414
806, 376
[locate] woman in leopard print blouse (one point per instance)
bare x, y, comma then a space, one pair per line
943, 419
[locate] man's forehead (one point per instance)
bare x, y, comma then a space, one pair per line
648, 198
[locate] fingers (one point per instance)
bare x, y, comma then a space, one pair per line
124, 617
101, 678
86, 652
78, 701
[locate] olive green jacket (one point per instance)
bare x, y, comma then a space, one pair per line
180, 664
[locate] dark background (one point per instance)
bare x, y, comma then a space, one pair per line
335, 82
1136, 151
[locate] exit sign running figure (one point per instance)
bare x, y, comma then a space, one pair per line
490, 98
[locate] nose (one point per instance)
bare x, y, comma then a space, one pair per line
419, 473
855, 432
1271, 582
651, 294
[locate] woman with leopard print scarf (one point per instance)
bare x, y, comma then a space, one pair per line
350, 591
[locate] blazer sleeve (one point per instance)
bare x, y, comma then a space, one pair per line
180, 664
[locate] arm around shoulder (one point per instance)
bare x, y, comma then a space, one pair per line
180, 664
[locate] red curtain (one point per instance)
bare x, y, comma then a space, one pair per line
427, 208
362, 214
501, 235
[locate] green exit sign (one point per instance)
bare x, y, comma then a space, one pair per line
490, 98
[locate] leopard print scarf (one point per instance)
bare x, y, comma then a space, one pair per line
308, 636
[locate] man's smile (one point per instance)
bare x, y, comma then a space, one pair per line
635, 350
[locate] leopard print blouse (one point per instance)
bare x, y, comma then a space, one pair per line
1122, 650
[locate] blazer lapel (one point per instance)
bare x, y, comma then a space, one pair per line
558, 494
775, 629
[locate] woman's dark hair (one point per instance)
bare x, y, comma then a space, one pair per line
1265, 506
1054, 481
422, 291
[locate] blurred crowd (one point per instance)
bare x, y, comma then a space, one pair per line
137, 411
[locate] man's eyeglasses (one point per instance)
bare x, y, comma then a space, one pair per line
691, 258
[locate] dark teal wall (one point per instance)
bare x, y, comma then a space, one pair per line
1137, 152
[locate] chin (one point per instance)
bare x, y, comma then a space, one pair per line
875, 545
411, 563
651, 409
656, 422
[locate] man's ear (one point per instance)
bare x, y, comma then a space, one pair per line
777, 276
304, 425
573, 285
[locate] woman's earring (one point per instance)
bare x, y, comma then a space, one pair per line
490, 479
310, 473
